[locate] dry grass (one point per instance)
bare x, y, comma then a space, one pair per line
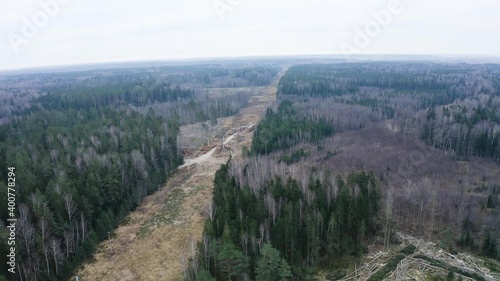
162, 233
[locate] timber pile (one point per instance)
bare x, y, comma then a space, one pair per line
364, 272
413, 267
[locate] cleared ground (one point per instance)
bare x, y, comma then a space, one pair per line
158, 237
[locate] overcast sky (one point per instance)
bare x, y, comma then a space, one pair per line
87, 31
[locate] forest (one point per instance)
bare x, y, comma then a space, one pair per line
350, 155
465, 129
349, 158
284, 128
431, 84
177, 88
284, 228
82, 173
89, 146
458, 105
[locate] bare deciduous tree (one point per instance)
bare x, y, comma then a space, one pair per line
70, 206
57, 255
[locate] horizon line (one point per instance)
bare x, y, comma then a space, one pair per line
267, 56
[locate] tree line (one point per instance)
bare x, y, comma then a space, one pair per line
285, 128
466, 131
431, 84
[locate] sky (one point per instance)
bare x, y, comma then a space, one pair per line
37, 33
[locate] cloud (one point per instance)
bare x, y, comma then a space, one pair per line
94, 31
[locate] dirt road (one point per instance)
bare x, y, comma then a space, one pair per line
158, 237
202, 158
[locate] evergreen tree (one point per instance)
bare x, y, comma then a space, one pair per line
204, 276
489, 246
232, 262
271, 267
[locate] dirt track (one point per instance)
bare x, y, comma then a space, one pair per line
161, 234
202, 158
